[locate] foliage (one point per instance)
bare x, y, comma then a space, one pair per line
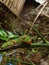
14, 40
7, 35
3, 35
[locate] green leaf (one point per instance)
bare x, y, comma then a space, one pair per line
17, 40
4, 38
7, 44
11, 35
27, 38
33, 50
3, 35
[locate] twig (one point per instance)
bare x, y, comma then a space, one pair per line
8, 54
25, 46
38, 7
23, 62
39, 12
39, 34
44, 14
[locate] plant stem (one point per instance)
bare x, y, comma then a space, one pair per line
39, 34
23, 62
25, 46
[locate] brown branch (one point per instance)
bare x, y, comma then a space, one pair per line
39, 13
44, 14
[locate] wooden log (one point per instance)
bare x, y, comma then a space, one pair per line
14, 5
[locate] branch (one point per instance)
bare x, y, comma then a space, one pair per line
39, 34
40, 12
23, 62
25, 46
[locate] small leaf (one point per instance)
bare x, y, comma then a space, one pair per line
10, 35
27, 38
7, 44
